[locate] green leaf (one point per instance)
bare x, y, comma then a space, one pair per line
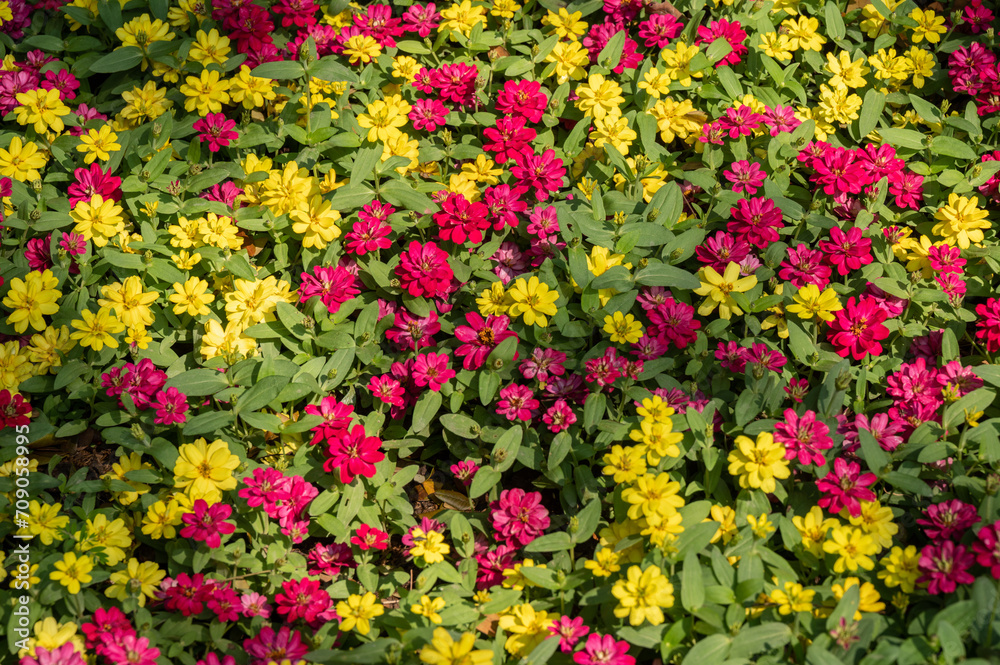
198, 382
553, 542
712, 649
907, 483
835, 27
460, 424
118, 60
661, 274
692, 585
593, 410
874, 456
328, 68
208, 423
425, 410
756, 639
871, 111
903, 138
261, 393
612, 52
952, 147
485, 479
280, 69
925, 109
400, 194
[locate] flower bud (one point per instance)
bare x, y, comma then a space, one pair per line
652, 214
35, 215
195, 169
37, 186
499, 456
138, 432
843, 380
157, 129
309, 323
643, 263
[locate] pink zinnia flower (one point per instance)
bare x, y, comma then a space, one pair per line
171, 407
733, 33
225, 603
570, 631
428, 114
255, 605
386, 389
987, 548
805, 266
336, 418
302, 599
329, 559
519, 517
131, 650
411, 332
559, 416
213, 658
603, 650
945, 566
61, 655
542, 174
741, 121
756, 221
722, 248
207, 523
354, 453
797, 389
804, 437
988, 325
845, 487
432, 370
659, 29
423, 270
847, 251
269, 646
949, 520
480, 337
522, 98
543, 363
858, 328
464, 471
746, 177
216, 130
368, 538
517, 402
509, 138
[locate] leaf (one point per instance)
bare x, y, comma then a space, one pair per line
208, 423
460, 424
871, 111
509, 444
874, 456
835, 27
756, 639
198, 382
485, 479
907, 483
612, 52
118, 60
553, 542
925, 109
261, 393
661, 274
593, 410
328, 68
425, 410
903, 138
401, 194
542, 653
692, 585
281, 69
712, 649
952, 147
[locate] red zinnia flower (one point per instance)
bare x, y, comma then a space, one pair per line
354, 453
368, 538
207, 523
845, 487
858, 328
945, 566
216, 130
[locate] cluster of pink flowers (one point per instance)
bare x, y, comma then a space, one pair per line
974, 71
143, 383
111, 635
333, 285
452, 82
283, 498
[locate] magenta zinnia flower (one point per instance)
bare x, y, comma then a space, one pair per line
517, 402
988, 325
270, 646
858, 328
431, 370
519, 517
949, 520
847, 251
945, 566
171, 407
804, 437
207, 523
423, 270
987, 548
61, 655
368, 538
523, 98
756, 221
216, 130
845, 487
354, 453
603, 650
302, 599
480, 337
570, 631
542, 174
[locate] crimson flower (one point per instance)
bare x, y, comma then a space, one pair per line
207, 523
845, 487
945, 566
858, 328
519, 517
216, 130
368, 538
354, 453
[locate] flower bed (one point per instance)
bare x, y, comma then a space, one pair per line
610, 333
